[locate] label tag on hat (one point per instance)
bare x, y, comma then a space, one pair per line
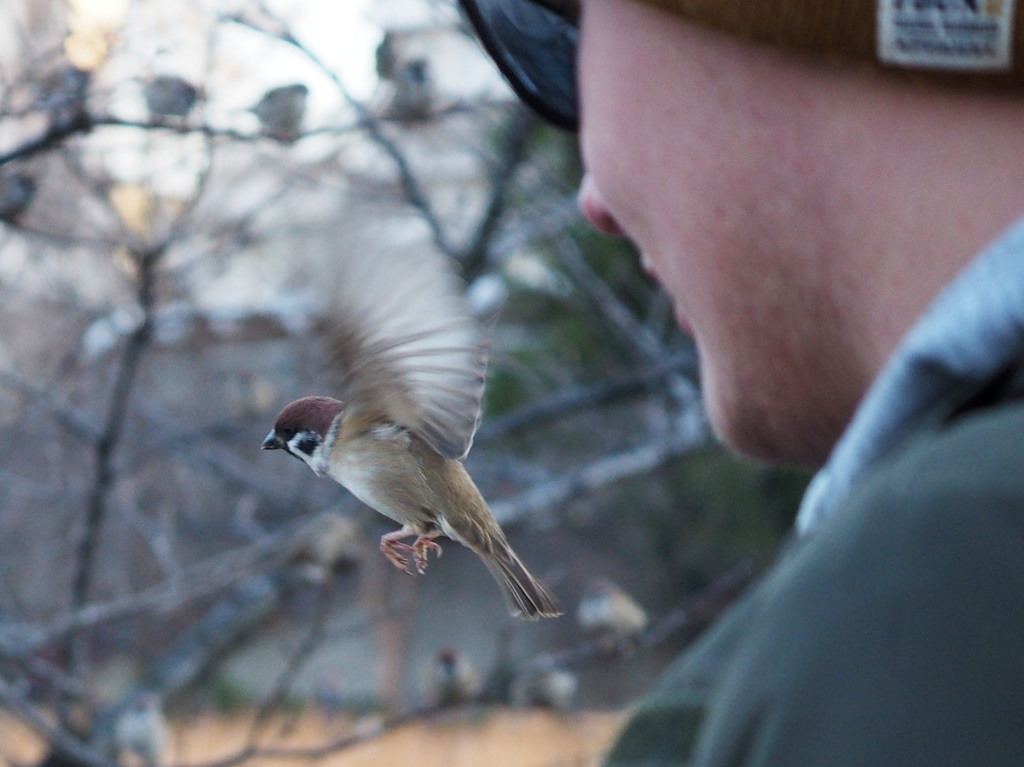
969, 35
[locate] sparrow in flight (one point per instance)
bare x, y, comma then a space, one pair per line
409, 405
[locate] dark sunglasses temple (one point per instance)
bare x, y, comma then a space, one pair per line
534, 48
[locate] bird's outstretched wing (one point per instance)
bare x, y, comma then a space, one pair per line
409, 348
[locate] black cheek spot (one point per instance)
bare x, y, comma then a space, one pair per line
307, 445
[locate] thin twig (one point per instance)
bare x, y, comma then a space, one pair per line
574, 399
542, 499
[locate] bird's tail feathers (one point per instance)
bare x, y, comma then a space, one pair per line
525, 596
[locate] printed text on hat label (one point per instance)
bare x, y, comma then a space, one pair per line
969, 35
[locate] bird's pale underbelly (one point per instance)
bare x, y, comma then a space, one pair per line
360, 477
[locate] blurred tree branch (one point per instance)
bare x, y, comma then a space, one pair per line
146, 262
139, 420
582, 397
542, 500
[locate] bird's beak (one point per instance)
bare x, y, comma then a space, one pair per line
272, 442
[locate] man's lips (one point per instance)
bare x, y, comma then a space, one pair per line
681, 319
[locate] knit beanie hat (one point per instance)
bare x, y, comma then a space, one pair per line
977, 42
951, 36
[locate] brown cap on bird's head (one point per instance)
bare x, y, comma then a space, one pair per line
972, 42
314, 414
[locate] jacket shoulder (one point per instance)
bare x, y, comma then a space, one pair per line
977, 459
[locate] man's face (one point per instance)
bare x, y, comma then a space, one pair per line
702, 150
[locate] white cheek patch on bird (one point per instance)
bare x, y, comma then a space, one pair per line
305, 445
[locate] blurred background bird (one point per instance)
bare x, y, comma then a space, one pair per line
412, 94
170, 96
497, 685
606, 611
281, 111
545, 685
142, 730
454, 680
329, 546
61, 95
413, 378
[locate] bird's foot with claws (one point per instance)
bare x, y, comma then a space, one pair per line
391, 546
396, 553
421, 547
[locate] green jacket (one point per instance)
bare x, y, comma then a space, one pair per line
892, 632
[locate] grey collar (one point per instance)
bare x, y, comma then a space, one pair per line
973, 330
